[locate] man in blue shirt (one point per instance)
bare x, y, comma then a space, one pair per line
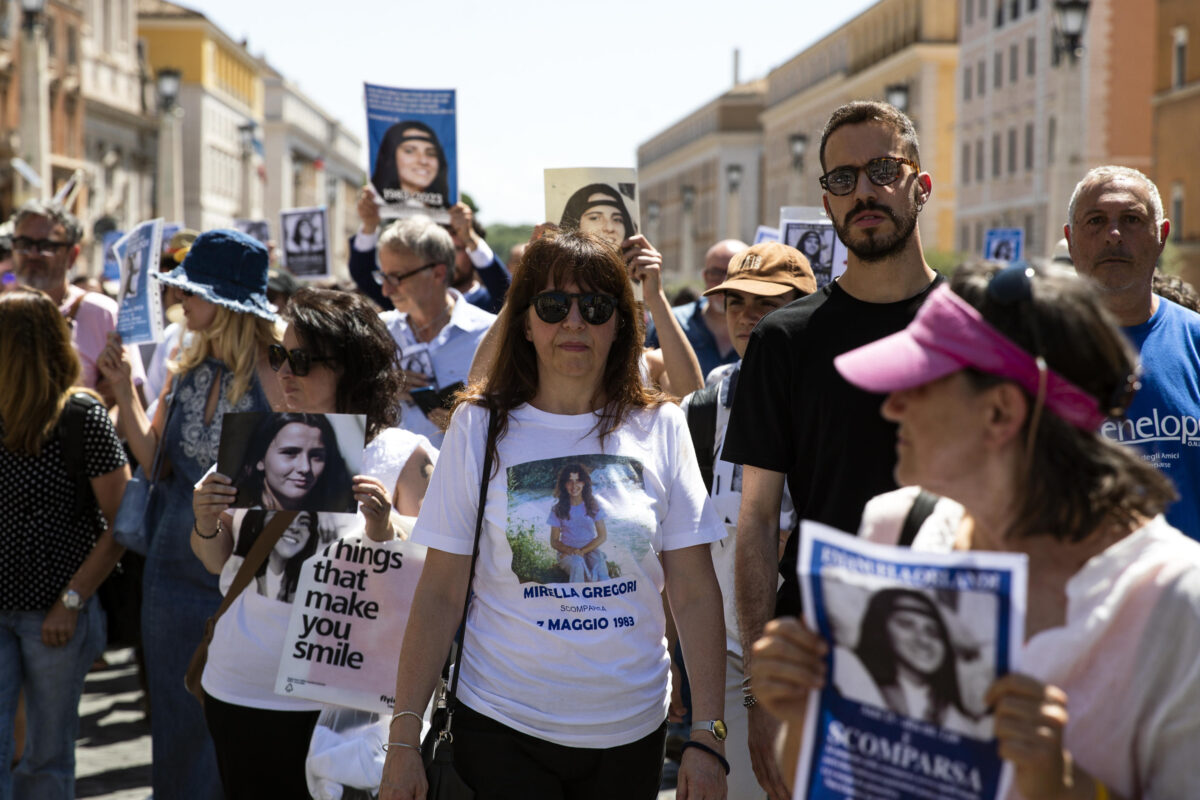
1116, 233
703, 321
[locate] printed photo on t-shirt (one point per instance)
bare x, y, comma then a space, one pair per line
276, 578
580, 519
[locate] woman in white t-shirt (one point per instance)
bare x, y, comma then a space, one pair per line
563, 686
1000, 387
337, 357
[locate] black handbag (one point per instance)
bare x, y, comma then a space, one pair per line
437, 751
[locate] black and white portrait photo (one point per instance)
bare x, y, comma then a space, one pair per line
292, 461
257, 229
305, 243
815, 240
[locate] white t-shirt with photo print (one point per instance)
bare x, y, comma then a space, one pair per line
579, 664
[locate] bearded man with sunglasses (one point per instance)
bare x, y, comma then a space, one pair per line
436, 330
45, 246
794, 417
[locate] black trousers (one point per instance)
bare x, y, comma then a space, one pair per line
500, 763
260, 753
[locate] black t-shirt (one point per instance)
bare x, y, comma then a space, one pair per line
795, 414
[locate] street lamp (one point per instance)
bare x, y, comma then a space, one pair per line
1070, 18
689, 198
797, 144
169, 81
33, 13
897, 95
246, 137
653, 211
733, 177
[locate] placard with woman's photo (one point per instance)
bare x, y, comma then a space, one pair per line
292, 461
305, 243
807, 229
916, 639
139, 312
412, 141
597, 200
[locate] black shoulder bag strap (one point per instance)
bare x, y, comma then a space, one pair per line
444, 735
71, 435
922, 507
702, 423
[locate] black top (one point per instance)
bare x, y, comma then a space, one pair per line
44, 534
795, 414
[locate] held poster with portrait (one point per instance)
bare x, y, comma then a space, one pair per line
257, 229
305, 241
348, 618
291, 461
412, 141
916, 638
139, 312
598, 200
1004, 244
807, 229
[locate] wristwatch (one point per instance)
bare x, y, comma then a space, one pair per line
72, 600
714, 726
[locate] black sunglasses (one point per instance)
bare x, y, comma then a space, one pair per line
47, 247
299, 360
395, 280
881, 172
594, 307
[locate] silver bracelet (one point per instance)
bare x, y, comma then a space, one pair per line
389, 745
412, 714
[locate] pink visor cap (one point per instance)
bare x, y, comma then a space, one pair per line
947, 335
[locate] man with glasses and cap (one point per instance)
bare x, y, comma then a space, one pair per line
794, 418
45, 246
436, 330
1116, 232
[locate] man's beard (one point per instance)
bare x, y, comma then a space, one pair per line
41, 276
877, 246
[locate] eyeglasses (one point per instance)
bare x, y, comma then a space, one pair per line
1012, 286
595, 308
395, 280
299, 360
46, 247
881, 171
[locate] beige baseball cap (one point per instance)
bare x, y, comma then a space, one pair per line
769, 269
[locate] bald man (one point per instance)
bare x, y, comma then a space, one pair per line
703, 321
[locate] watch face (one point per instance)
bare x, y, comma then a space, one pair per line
719, 729
70, 599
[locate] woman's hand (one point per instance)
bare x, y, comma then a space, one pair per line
403, 775
58, 626
376, 506
212, 497
1030, 718
368, 209
701, 777
788, 662
116, 369
645, 264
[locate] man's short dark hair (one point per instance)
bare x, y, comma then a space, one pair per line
861, 111
53, 212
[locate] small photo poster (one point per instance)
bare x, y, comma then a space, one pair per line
139, 302
112, 264
807, 229
915, 640
765, 233
412, 142
1004, 244
305, 243
292, 461
257, 229
598, 200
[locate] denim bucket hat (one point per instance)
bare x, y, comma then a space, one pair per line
226, 268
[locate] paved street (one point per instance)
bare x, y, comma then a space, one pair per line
112, 758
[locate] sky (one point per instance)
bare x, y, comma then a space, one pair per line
540, 84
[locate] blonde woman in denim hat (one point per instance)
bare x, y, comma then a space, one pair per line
223, 369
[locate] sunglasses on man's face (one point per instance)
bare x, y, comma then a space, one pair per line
594, 307
45, 247
298, 360
881, 171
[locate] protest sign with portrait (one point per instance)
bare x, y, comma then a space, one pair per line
412, 140
916, 638
1004, 244
139, 313
599, 200
257, 229
807, 229
292, 461
305, 241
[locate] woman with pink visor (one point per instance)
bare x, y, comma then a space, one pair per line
999, 388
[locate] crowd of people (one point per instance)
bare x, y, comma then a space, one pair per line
556, 439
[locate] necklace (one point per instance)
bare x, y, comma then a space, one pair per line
429, 329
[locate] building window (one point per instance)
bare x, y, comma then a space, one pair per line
51, 39
970, 4
1177, 212
1013, 64
1179, 61
1031, 55
979, 236
998, 70
995, 155
980, 79
964, 238
1051, 134
72, 46
979, 160
983, 9
967, 83
1012, 150
1028, 146
999, 13
1033, 4
1014, 9
966, 164
1030, 246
